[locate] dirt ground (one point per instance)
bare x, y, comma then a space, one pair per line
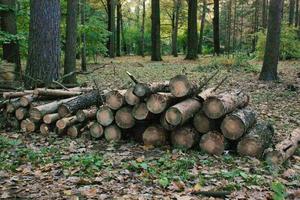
37, 167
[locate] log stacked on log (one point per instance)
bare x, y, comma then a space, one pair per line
177, 112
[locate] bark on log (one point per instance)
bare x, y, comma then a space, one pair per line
203, 124
158, 103
140, 112
88, 114
21, 113
237, 123
26, 100
23, 125
136, 132
130, 98
185, 137
37, 113
51, 118
96, 130
285, 149
213, 143
112, 133
115, 99
182, 112
74, 130
71, 92
80, 102
155, 135
256, 141
63, 123
146, 89
12, 105
9, 95
166, 125
221, 104
105, 116
206, 94
45, 129
124, 118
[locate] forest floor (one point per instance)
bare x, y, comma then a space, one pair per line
36, 167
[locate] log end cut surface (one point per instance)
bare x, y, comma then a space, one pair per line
212, 143
114, 100
250, 147
131, 98
155, 136
179, 86
156, 104
105, 116
173, 116
96, 130
201, 123
140, 111
213, 108
112, 133
124, 118
232, 127
63, 111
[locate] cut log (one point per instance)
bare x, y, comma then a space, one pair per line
203, 124
96, 130
9, 95
38, 112
130, 98
285, 149
124, 118
256, 141
136, 132
115, 99
105, 116
29, 126
23, 125
217, 106
206, 93
80, 102
155, 135
61, 93
74, 130
180, 86
213, 143
140, 112
112, 133
183, 111
51, 118
237, 123
13, 123
21, 113
158, 103
63, 123
88, 114
12, 105
185, 137
146, 89
165, 124
45, 129
26, 100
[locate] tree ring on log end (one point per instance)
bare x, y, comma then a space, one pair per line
96, 130
232, 127
63, 111
156, 104
112, 133
140, 111
213, 108
179, 86
35, 114
124, 118
114, 100
173, 116
250, 147
105, 116
212, 143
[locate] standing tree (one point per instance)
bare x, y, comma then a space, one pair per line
44, 43
216, 28
119, 14
192, 35
269, 69
175, 21
11, 50
155, 30
265, 13
203, 16
111, 27
291, 12
143, 29
297, 13
71, 39
83, 37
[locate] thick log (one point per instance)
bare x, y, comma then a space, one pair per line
21, 113
23, 125
45, 129
203, 124
115, 99
284, 149
166, 125
9, 95
63, 123
206, 93
183, 111
185, 137
237, 123
141, 112
180, 86
74, 130
71, 92
29, 126
155, 135
213, 143
130, 98
26, 100
13, 123
96, 130
112, 133
146, 89
217, 106
136, 132
105, 116
256, 141
38, 112
12, 105
158, 103
124, 118
88, 114
80, 102
51, 118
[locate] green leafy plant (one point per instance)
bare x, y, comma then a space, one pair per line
279, 191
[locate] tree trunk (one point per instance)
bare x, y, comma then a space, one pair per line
216, 28
112, 133
292, 12
51, 118
44, 43
213, 143
41, 92
124, 44
83, 38
105, 116
155, 31
71, 39
297, 14
10, 95
203, 16
74, 130
119, 14
265, 14
269, 69
130, 98
96, 130
155, 135
143, 29
111, 27
11, 51
88, 114
124, 118
185, 137
175, 21
257, 140
217, 106
203, 124
27, 100
236, 124
192, 35
229, 27
255, 24
115, 99
146, 89
166, 125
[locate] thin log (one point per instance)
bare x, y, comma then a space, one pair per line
256, 141
26, 100
124, 118
213, 143
112, 133
237, 123
185, 137
96, 130
203, 124
115, 99
74, 130
105, 116
183, 111
284, 149
23, 125
130, 98
140, 112
217, 106
146, 89
63, 123
30, 126
51, 118
88, 114
71, 92
12, 105
158, 103
155, 135
45, 129
10, 95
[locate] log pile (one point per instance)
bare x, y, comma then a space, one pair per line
178, 112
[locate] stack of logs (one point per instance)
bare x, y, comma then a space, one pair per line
179, 112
